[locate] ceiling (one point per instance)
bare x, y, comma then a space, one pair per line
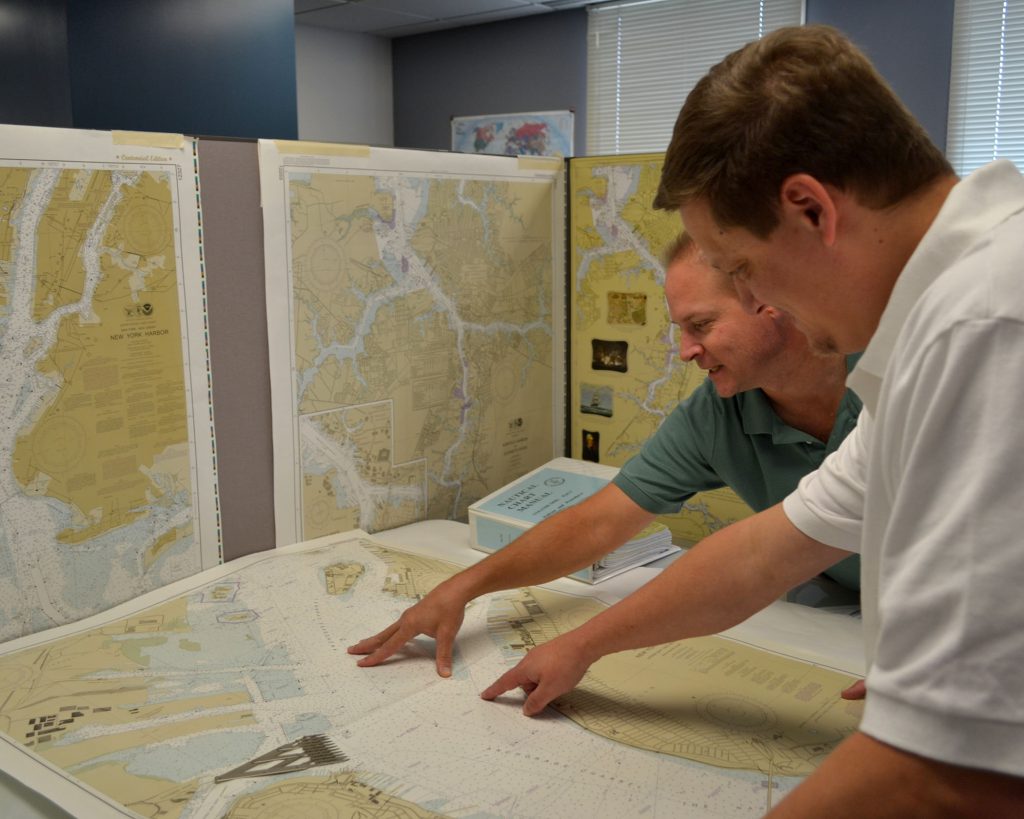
398, 18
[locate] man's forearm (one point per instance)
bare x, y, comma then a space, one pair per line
723, 580
558, 546
865, 777
720, 582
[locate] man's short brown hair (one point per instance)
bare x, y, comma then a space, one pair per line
800, 100
679, 248
683, 248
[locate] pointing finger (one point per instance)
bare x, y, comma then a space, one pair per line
445, 648
398, 639
506, 682
373, 643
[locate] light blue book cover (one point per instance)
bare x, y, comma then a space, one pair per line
542, 494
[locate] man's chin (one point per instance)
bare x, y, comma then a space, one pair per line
820, 342
723, 388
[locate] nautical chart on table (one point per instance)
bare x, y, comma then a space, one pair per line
230, 694
415, 305
107, 466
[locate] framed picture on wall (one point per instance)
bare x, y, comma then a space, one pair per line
540, 133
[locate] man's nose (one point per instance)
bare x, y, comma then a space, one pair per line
689, 347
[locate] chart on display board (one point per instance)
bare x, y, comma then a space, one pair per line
415, 312
107, 455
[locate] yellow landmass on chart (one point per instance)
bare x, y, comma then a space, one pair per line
342, 577
342, 796
13, 183
146, 795
115, 439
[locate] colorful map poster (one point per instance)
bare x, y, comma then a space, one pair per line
107, 464
542, 133
626, 372
415, 316
230, 694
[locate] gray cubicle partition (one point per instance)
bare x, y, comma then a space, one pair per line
236, 298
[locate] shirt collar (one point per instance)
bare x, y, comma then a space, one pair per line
758, 416
973, 207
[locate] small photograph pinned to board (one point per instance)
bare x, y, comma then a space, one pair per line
591, 446
627, 308
596, 400
609, 355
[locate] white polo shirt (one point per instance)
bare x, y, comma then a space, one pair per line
929, 488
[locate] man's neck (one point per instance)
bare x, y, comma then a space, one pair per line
807, 397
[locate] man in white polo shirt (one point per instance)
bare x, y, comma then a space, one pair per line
799, 174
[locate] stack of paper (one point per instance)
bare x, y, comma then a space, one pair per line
501, 517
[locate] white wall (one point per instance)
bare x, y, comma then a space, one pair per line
343, 84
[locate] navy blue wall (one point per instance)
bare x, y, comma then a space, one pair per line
34, 88
206, 67
911, 44
539, 63
536, 63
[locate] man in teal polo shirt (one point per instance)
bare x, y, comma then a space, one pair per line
768, 414
727, 434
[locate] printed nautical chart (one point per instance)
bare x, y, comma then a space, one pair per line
415, 315
229, 694
626, 372
106, 446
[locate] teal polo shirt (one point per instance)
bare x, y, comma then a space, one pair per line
709, 442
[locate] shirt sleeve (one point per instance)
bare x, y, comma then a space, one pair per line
945, 680
674, 464
828, 504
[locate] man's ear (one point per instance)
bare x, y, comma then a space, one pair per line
810, 205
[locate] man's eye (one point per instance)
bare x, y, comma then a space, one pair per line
738, 272
700, 326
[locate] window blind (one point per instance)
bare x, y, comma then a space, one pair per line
986, 90
644, 56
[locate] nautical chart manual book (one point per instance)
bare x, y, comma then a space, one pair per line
501, 517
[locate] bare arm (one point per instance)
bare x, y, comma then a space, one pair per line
720, 582
864, 776
563, 543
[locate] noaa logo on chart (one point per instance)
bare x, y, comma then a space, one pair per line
554, 481
138, 310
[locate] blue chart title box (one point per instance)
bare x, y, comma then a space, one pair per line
541, 494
